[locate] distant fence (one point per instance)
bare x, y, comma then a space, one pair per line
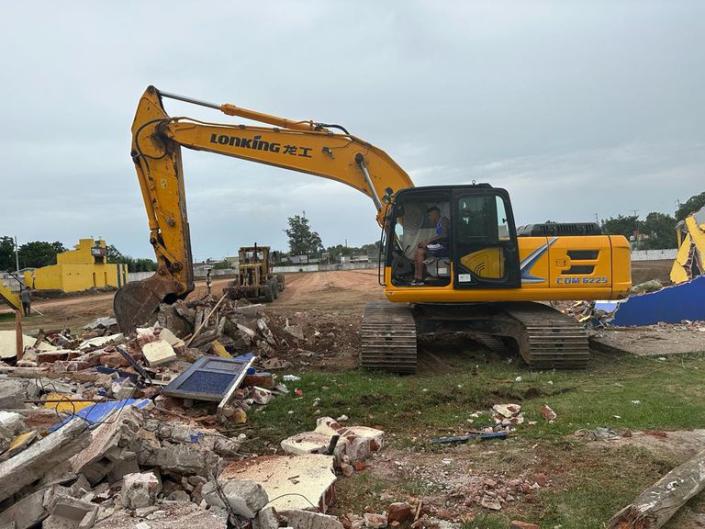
138, 276
198, 273
318, 267
654, 255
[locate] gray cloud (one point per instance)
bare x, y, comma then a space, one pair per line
576, 107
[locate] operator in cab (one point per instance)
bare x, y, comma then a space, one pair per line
436, 246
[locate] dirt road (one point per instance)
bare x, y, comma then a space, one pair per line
345, 291
81, 309
342, 290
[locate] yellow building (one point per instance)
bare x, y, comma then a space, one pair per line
82, 268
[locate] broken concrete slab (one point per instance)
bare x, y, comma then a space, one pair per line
173, 516
8, 344
245, 497
356, 443
289, 479
101, 341
27, 512
31, 464
158, 353
181, 459
300, 519
306, 443
70, 513
109, 445
140, 490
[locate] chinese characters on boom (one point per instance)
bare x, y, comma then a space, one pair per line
257, 144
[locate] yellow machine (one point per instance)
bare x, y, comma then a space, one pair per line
485, 283
690, 260
255, 280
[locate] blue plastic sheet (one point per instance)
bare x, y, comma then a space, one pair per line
98, 412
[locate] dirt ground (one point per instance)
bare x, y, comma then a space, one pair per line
342, 292
646, 270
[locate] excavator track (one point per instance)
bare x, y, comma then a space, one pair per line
547, 338
388, 337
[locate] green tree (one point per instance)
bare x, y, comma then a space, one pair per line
691, 205
302, 240
133, 265
660, 231
36, 254
7, 253
622, 225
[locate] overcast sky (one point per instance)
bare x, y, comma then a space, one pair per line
577, 108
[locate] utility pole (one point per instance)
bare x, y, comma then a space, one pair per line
636, 229
17, 257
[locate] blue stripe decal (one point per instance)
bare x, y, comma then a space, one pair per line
527, 264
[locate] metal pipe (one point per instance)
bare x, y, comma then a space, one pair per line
232, 110
189, 100
360, 159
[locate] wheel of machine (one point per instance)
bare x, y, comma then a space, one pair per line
268, 293
280, 281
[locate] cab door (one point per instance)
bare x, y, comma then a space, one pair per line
485, 249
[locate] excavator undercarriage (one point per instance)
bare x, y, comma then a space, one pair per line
544, 337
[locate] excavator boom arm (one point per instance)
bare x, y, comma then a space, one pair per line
303, 146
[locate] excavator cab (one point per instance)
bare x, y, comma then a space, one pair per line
480, 251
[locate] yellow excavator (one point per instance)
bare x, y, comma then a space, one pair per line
485, 275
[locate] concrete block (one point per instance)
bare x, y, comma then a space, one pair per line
158, 353
181, 459
245, 497
266, 519
70, 513
12, 394
300, 519
140, 490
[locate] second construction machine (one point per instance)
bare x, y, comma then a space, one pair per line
489, 281
255, 280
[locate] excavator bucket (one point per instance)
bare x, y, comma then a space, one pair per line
135, 303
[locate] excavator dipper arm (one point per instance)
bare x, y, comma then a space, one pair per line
302, 146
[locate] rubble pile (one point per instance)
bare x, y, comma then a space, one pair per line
103, 429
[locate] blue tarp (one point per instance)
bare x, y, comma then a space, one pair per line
98, 412
674, 304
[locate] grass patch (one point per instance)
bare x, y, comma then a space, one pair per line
619, 392
590, 483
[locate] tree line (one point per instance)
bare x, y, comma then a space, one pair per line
657, 230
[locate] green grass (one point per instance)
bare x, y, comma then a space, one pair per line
621, 392
591, 484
